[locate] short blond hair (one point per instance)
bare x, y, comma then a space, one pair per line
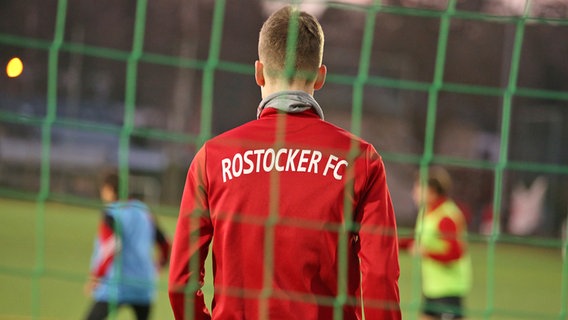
439, 179
273, 40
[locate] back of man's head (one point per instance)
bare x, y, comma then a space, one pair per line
273, 41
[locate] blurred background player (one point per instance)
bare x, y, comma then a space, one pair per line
441, 233
275, 195
123, 266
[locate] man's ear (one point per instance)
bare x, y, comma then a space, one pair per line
259, 73
320, 78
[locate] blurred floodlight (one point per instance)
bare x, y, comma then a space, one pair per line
14, 67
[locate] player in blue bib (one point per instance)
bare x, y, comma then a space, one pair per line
123, 270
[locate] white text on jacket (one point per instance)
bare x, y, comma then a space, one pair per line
282, 160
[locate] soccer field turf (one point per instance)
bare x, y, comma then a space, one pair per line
527, 280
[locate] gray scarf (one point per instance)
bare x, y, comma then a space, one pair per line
291, 102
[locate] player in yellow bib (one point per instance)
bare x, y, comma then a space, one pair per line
441, 232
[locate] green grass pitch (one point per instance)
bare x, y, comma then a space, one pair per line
526, 279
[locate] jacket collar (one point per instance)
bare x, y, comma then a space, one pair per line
290, 102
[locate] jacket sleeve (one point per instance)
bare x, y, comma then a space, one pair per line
109, 244
192, 237
163, 244
378, 252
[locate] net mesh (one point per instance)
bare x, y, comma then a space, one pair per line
487, 304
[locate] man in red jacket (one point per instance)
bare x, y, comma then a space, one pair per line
298, 209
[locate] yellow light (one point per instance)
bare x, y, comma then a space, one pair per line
14, 67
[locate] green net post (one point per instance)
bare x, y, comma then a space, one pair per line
428, 155
364, 63
564, 283
43, 194
209, 72
503, 159
206, 109
130, 96
356, 117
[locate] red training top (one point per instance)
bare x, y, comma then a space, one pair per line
275, 194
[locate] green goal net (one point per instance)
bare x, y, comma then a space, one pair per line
478, 87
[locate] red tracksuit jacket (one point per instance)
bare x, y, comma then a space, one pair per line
275, 195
